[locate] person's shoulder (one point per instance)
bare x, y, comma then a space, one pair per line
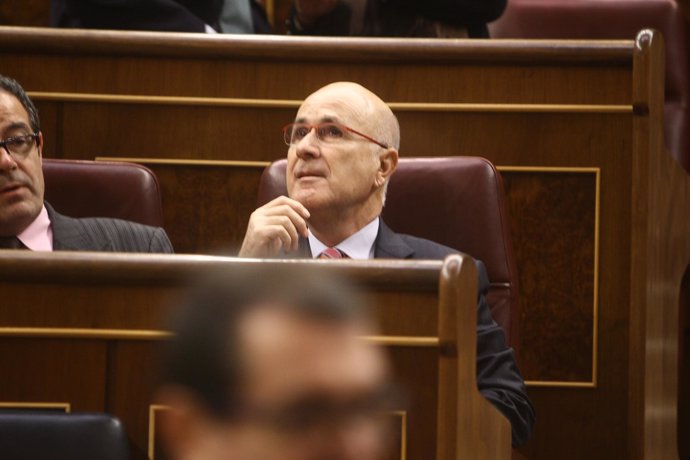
426, 249
124, 235
390, 244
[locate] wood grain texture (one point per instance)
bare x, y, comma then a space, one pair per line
644, 208
219, 205
568, 202
106, 291
34, 13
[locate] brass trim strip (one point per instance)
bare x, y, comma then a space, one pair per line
172, 161
131, 334
403, 433
595, 301
166, 100
550, 169
294, 104
595, 286
519, 108
152, 428
402, 341
559, 384
82, 333
67, 407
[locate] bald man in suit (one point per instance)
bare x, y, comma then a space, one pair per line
342, 151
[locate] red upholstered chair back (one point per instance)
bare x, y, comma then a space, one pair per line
127, 191
456, 201
614, 19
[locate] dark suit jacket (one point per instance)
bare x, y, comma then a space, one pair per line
405, 18
163, 15
107, 235
160, 15
498, 377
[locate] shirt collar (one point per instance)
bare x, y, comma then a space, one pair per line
38, 236
360, 245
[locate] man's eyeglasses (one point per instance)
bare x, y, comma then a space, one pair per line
328, 132
313, 414
18, 147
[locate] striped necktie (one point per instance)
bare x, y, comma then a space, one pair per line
332, 253
11, 242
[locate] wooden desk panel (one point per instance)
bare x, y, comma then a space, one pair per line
84, 329
530, 105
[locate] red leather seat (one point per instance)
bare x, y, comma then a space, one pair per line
456, 201
126, 191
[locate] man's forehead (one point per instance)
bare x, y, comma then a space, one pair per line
343, 103
326, 110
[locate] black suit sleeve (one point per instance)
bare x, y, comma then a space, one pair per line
160, 243
455, 11
498, 377
472, 14
161, 15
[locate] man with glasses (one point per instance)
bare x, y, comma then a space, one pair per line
265, 366
26, 221
343, 149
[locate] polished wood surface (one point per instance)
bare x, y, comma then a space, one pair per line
83, 329
541, 111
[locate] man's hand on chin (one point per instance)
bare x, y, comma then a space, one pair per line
275, 227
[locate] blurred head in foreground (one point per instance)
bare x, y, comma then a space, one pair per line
271, 365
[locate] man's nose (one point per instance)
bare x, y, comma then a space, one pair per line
7, 162
309, 145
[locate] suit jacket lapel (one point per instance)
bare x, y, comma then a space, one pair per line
69, 235
389, 245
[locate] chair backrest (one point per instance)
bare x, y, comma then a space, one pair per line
614, 19
31, 435
79, 188
455, 201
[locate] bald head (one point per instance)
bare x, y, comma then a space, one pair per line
363, 105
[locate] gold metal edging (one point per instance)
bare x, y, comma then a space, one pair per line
188, 162
403, 433
401, 341
517, 108
152, 428
550, 169
294, 104
83, 333
67, 407
595, 301
133, 334
558, 384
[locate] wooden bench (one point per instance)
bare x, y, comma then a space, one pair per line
599, 211
80, 332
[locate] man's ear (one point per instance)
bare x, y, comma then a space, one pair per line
388, 162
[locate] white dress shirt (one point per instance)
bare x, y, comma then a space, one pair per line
357, 246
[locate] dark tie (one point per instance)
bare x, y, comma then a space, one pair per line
11, 242
332, 253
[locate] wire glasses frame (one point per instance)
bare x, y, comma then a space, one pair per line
326, 131
19, 146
